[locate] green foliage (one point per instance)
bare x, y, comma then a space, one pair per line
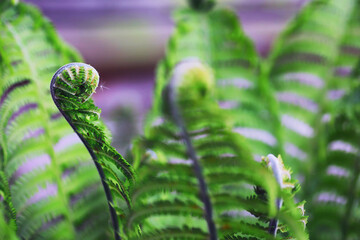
168, 195
291, 187
334, 206
300, 68
195, 173
71, 89
48, 190
313, 60
348, 56
7, 231
216, 38
5, 196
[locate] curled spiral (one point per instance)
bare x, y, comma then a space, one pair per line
71, 89
75, 80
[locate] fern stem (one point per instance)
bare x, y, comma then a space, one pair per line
273, 224
113, 214
195, 162
275, 166
351, 199
202, 5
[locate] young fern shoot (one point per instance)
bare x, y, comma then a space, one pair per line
176, 115
275, 166
71, 89
194, 172
284, 203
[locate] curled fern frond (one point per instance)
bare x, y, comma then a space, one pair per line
71, 88
192, 142
194, 81
286, 202
216, 38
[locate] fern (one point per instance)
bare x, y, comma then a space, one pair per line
300, 70
7, 231
348, 55
196, 177
5, 197
334, 206
71, 89
214, 36
283, 178
200, 189
49, 188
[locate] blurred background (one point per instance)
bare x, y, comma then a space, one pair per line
124, 40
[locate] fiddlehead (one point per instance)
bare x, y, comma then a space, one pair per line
172, 94
71, 88
285, 202
167, 197
274, 164
216, 38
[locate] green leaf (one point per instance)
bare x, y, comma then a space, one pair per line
215, 37
299, 69
169, 192
36, 163
71, 88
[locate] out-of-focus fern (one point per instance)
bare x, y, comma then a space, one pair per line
6, 202
196, 175
340, 83
49, 186
348, 55
71, 88
335, 211
215, 37
301, 67
7, 231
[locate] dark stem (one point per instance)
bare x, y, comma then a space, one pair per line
273, 226
274, 222
276, 169
93, 156
202, 5
195, 162
351, 199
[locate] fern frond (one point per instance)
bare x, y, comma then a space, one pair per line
6, 202
168, 193
334, 206
33, 139
71, 88
300, 68
348, 56
286, 203
215, 37
7, 229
